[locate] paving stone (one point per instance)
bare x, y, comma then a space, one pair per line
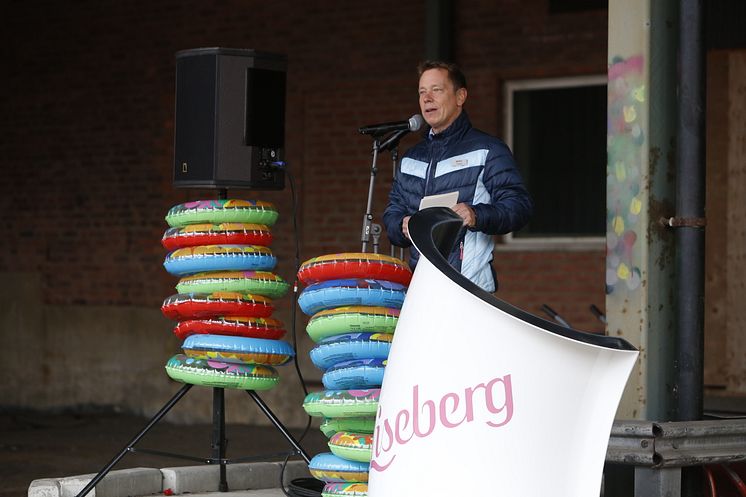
47, 487
242, 476
122, 483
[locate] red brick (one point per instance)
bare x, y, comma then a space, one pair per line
88, 135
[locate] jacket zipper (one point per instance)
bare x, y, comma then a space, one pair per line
427, 175
429, 171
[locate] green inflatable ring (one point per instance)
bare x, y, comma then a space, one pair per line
342, 403
351, 319
255, 282
222, 211
330, 426
345, 489
352, 446
218, 374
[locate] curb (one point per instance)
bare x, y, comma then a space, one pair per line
175, 480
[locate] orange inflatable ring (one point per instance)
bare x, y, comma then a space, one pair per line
240, 326
354, 265
216, 234
205, 305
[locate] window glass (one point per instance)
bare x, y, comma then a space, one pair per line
558, 136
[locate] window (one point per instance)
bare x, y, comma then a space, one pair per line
557, 131
565, 6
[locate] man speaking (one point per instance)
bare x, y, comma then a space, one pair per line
455, 157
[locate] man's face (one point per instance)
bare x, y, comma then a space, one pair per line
439, 102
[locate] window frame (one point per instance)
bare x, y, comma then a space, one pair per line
564, 243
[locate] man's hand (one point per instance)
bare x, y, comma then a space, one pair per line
405, 226
466, 213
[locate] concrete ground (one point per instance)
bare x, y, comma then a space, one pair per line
36, 445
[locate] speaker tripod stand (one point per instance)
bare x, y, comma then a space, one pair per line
218, 444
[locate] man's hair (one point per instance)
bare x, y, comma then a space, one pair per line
454, 72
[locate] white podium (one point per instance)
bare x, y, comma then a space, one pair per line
481, 398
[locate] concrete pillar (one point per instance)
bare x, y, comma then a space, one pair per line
640, 263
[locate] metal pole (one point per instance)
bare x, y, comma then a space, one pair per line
218, 435
267, 412
690, 235
690, 203
101, 474
368, 216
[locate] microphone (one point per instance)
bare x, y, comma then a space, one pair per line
413, 124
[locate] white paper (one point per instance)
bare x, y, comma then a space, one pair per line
442, 200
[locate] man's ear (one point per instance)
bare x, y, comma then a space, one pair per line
461, 96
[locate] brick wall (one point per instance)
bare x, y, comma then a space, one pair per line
87, 128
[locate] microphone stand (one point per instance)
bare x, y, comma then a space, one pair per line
368, 226
391, 142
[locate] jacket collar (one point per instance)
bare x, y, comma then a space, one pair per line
454, 132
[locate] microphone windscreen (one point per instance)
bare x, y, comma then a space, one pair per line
416, 122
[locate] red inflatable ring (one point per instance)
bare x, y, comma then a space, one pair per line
216, 234
354, 265
240, 326
204, 305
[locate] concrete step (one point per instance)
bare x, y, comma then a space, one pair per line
257, 479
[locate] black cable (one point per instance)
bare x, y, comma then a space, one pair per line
295, 279
300, 487
282, 477
297, 487
294, 302
306, 487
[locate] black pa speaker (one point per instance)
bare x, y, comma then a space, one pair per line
230, 119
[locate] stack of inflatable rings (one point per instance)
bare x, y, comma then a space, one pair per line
354, 301
219, 249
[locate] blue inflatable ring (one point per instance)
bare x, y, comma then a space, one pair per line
333, 469
242, 350
358, 373
190, 260
338, 293
349, 346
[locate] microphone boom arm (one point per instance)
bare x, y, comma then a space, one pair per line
392, 141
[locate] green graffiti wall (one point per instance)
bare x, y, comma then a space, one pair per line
624, 173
